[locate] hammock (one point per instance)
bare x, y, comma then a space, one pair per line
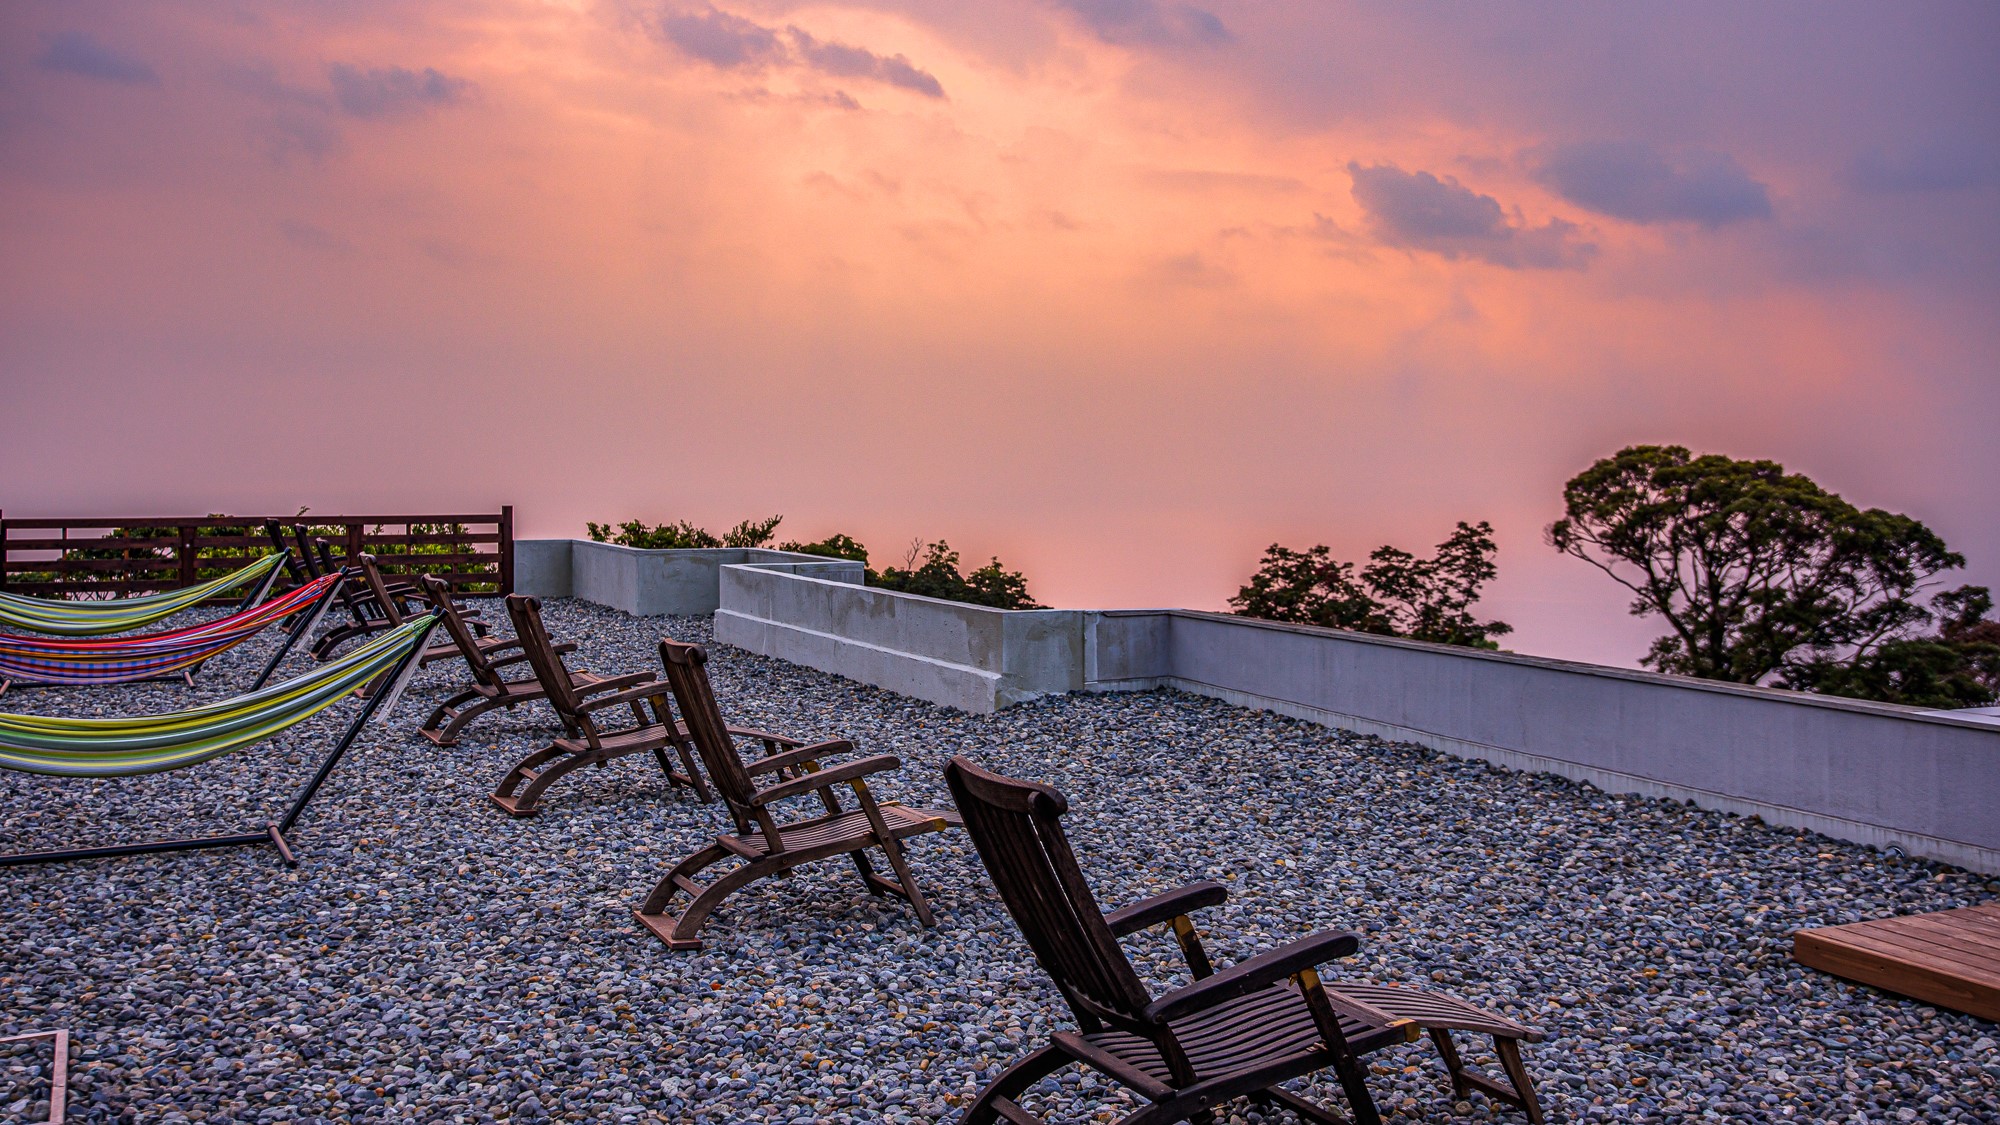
124, 660
139, 744
94, 619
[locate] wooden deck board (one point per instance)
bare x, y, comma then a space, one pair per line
1950, 959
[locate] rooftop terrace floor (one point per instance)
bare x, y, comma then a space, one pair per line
433, 960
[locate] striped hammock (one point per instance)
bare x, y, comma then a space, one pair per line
95, 619
123, 660
136, 744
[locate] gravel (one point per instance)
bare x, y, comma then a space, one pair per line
433, 960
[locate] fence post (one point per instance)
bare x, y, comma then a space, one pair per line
353, 543
506, 549
186, 552
3, 548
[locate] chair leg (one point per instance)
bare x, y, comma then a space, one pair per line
894, 849
1354, 1082
536, 772
684, 932
1012, 1083
694, 777
1460, 1088
453, 719
1509, 1051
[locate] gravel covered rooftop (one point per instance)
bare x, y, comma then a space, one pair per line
433, 960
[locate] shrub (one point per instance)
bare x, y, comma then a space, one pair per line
938, 576
684, 535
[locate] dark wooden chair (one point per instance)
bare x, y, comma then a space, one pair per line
765, 846
1230, 1034
484, 657
391, 602
588, 740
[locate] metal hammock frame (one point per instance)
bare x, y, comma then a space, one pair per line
159, 743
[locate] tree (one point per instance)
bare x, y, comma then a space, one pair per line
1397, 594
1764, 576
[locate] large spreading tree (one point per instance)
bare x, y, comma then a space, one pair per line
1762, 576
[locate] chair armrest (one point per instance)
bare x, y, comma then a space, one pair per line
803, 755
820, 779
563, 649
651, 689
1165, 907
766, 736
1260, 971
619, 683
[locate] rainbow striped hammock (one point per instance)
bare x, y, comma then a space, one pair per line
152, 656
95, 619
138, 744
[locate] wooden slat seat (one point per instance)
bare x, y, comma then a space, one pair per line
809, 835
1273, 1025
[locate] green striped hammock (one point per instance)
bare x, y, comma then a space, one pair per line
95, 619
136, 744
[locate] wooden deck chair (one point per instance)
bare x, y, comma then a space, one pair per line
485, 656
765, 846
589, 741
392, 610
1230, 1034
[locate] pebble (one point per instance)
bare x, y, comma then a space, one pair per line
433, 960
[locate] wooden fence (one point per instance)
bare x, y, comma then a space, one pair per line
98, 557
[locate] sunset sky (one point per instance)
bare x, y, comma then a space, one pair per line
1120, 290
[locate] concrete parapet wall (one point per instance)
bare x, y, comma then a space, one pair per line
1876, 774
649, 583
1872, 773
965, 656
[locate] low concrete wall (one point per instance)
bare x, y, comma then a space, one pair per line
649, 583
1873, 773
1926, 782
965, 656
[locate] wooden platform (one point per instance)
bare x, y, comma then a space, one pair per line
1950, 959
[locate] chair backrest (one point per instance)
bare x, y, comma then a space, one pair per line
438, 592
1017, 827
372, 574
687, 676
526, 613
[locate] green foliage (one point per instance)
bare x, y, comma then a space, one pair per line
938, 576
1397, 594
1764, 576
684, 535
835, 546
929, 569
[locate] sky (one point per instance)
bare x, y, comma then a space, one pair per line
1122, 291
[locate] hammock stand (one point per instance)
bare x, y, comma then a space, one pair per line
178, 654
405, 643
65, 618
